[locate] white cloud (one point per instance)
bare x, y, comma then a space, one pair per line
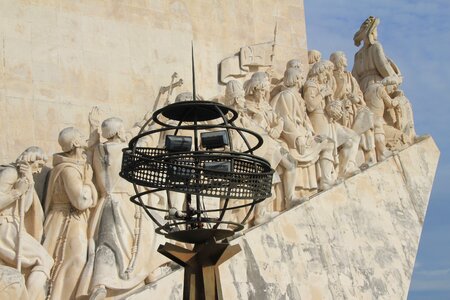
431, 285
431, 280
431, 273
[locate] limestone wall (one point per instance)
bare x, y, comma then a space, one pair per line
358, 240
58, 58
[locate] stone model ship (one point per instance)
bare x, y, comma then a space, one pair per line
352, 178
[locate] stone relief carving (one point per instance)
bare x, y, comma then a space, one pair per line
123, 234
379, 102
379, 79
304, 145
371, 64
355, 114
256, 113
248, 59
70, 197
317, 130
21, 220
278, 83
313, 57
324, 112
402, 116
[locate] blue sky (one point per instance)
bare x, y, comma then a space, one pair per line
416, 35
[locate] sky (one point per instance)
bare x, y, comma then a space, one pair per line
416, 35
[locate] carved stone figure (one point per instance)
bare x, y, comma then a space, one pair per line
293, 63
70, 195
304, 145
234, 98
371, 64
248, 59
256, 114
355, 114
400, 117
21, 219
124, 234
378, 101
314, 56
323, 112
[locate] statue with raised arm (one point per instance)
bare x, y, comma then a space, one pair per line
21, 220
324, 112
371, 64
70, 196
307, 147
123, 233
355, 114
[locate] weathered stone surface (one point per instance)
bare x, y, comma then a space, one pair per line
59, 58
357, 240
12, 284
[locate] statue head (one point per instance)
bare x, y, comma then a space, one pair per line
292, 77
321, 71
294, 63
367, 32
113, 127
339, 60
314, 56
258, 85
33, 156
185, 96
71, 138
390, 83
234, 94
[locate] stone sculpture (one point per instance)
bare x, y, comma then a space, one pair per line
314, 56
248, 59
371, 64
235, 98
70, 195
355, 114
401, 117
378, 101
12, 284
305, 146
21, 219
124, 235
293, 63
323, 112
257, 115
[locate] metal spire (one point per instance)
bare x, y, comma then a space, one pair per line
193, 72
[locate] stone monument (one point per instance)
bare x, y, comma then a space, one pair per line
353, 179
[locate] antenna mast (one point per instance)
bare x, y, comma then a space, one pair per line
193, 72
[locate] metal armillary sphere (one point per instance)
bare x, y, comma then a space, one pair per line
199, 160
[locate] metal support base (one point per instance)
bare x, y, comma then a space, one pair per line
201, 267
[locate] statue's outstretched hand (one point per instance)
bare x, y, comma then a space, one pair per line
94, 117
